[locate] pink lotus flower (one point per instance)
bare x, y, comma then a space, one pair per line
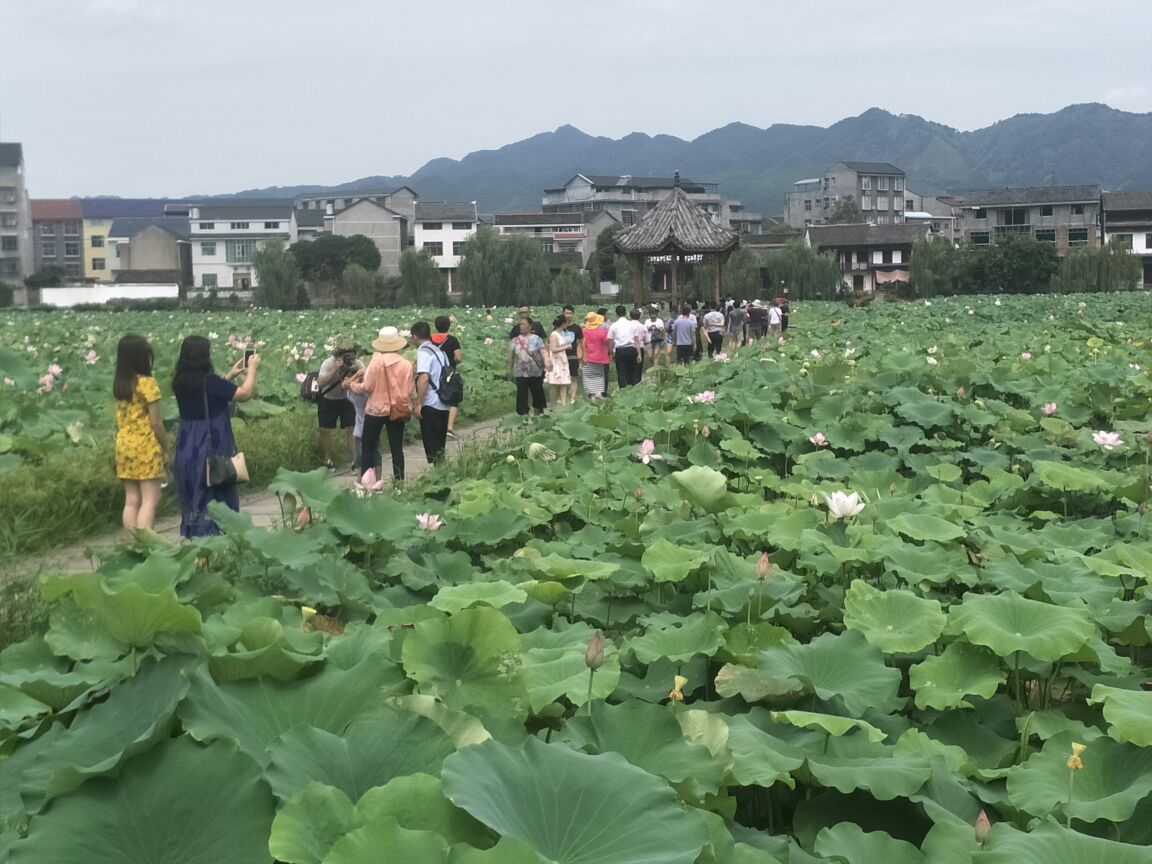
706, 397
369, 482
646, 452
1049, 408
764, 567
815, 353
1027, 355
705, 431
982, 827
55, 371
1108, 440
960, 391
303, 518
307, 352
91, 357
300, 376
594, 653
819, 440
46, 382
429, 522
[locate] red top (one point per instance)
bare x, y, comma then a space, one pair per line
596, 345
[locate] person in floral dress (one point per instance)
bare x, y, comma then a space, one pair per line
140, 436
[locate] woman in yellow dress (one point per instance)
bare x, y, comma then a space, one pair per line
140, 436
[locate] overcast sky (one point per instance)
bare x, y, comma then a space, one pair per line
179, 97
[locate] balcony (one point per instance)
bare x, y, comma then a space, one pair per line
1005, 230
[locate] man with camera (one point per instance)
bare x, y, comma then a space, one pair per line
333, 406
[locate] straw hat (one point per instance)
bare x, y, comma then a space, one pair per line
593, 320
389, 340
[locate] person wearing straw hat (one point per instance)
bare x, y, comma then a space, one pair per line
388, 382
595, 356
333, 407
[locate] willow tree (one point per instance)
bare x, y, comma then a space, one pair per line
933, 267
806, 273
1108, 268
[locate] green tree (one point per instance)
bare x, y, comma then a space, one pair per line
421, 281
1015, 264
277, 276
50, 276
480, 268
846, 211
1108, 268
6, 294
602, 261
571, 286
806, 273
742, 275
324, 259
499, 270
359, 286
933, 267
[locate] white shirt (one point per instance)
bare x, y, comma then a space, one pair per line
714, 321
773, 314
625, 333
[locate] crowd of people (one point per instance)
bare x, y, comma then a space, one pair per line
373, 402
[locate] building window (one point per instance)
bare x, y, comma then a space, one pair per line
881, 202
866, 202
546, 248
909, 204
886, 256
980, 213
239, 226
209, 280
1077, 209
807, 203
431, 226
7, 220
48, 229
882, 184
239, 251
71, 250
434, 249
98, 241
458, 247
1148, 242
207, 226
73, 270
1045, 209
978, 238
882, 219
48, 250
7, 194
1046, 235
1014, 216
1124, 240
208, 249
1077, 236
71, 229
861, 257
865, 182
9, 266
461, 226
897, 202
98, 263
9, 244
898, 184
272, 226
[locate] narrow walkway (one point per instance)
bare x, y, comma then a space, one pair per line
263, 506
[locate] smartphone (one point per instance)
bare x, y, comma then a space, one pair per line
248, 352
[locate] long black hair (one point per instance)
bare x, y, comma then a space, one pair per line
193, 367
133, 359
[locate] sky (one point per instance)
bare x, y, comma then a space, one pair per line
187, 97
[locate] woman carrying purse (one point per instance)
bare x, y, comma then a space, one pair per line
389, 383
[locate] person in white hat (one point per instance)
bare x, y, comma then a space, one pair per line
389, 383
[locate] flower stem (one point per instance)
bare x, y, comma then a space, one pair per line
1068, 809
591, 675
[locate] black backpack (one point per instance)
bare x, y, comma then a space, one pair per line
450, 387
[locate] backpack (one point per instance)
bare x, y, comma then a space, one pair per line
450, 387
310, 387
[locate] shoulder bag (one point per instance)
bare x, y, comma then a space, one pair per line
221, 470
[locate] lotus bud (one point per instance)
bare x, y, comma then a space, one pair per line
983, 826
677, 692
303, 518
510, 459
594, 653
639, 493
1074, 760
705, 431
764, 567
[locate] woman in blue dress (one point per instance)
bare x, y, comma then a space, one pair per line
204, 400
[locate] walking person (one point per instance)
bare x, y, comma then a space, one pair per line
528, 361
430, 411
575, 352
684, 335
757, 320
387, 385
140, 436
735, 324
784, 312
535, 326
626, 344
558, 377
657, 342
204, 400
775, 317
450, 345
595, 370
333, 407
714, 330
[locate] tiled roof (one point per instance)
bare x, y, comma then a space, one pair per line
676, 222
253, 209
310, 218
56, 209
130, 226
11, 154
1140, 199
445, 211
114, 208
1023, 195
862, 234
872, 167
629, 181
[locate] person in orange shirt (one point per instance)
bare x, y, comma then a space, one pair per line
450, 345
389, 383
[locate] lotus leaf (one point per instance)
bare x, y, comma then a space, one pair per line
1128, 712
453, 598
1050, 843
893, 621
1069, 478
1007, 622
706, 488
961, 670
760, 758
362, 845
680, 640
309, 822
671, 562
853, 762
573, 808
850, 844
554, 666
829, 723
372, 520
925, 526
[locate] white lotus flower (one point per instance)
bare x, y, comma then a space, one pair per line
842, 505
429, 522
1108, 440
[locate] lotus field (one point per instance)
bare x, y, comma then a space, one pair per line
878, 595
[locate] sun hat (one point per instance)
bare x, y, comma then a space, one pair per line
593, 320
388, 340
345, 343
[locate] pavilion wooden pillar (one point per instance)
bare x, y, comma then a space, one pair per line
721, 262
675, 280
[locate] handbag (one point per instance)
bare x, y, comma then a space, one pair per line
221, 470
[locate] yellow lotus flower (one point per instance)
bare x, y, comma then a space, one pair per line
677, 694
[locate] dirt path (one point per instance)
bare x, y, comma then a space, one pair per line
262, 506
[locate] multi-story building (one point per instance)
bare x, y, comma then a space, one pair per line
869, 255
16, 234
385, 227
402, 201
159, 246
1065, 216
1127, 220
441, 228
877, 188
628, 198
225, 236
559, 233
99, 214
58, 232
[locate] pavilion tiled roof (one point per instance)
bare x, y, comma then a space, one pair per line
676, 223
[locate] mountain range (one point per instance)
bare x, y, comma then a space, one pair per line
1087, 143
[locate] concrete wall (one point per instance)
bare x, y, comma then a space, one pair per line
377, 224
151, 249
76, 294
18, 263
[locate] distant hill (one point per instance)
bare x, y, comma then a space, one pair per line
1089, 143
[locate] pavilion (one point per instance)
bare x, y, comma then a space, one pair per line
676, 229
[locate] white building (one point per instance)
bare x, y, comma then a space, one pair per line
226, 235
1128, 221
559, 233
441, 229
